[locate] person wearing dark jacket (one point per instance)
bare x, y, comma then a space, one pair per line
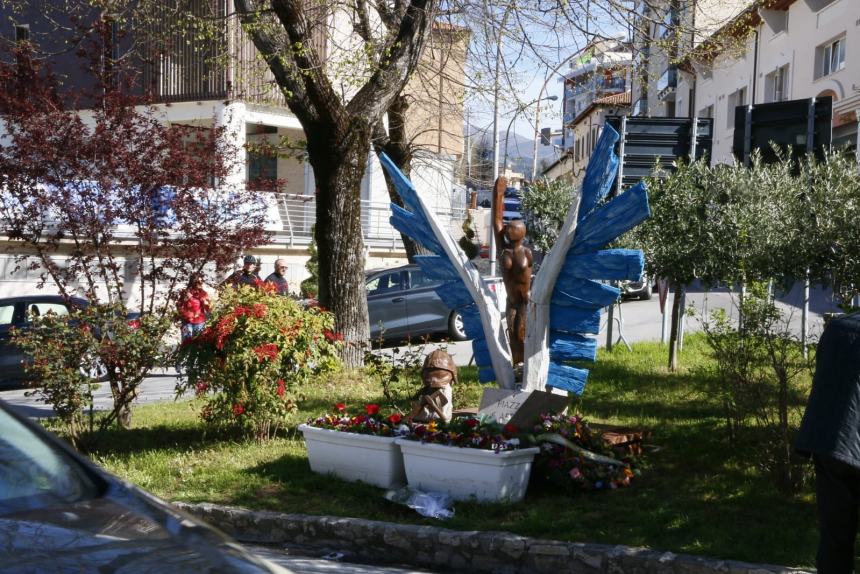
245, 276
830, 432
277, 278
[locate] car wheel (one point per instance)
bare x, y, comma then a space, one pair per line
456, 328
94, 370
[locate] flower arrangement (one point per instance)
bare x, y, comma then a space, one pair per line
572, 456
257, 348
467, 432
369, 422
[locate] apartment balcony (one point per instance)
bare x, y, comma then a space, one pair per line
219, 65
612, 86
667, 85
599, 86
291, 217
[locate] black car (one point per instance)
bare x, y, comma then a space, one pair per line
16, 312
61, 513
402, 303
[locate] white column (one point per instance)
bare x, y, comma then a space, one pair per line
231, 115
857, 150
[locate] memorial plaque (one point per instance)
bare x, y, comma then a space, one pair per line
520, 408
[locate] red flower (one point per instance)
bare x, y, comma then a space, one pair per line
340, 407
267, 351
282, 387
395, 418
224, 329
471, 423
372, 409
510, 430
238, 410
265, 286
134, 324
260, 310
202, 388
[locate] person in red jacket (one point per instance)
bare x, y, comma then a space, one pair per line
193, 305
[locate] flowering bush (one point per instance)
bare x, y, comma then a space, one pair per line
256, 348
574, 457
467, 432
369, 422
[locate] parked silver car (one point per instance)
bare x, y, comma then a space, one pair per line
61, 513
402, 303
17, 313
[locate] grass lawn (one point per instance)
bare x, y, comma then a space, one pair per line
695, 496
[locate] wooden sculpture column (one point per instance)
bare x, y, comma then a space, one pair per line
516, 265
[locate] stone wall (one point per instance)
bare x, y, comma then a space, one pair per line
453, 550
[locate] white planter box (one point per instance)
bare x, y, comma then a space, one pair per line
372, 459
468, 473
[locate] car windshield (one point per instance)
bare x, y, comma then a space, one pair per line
34, 474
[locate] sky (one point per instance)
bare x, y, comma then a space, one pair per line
536, 63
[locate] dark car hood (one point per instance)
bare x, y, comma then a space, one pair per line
117, 534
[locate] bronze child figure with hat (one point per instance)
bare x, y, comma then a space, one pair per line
435, 400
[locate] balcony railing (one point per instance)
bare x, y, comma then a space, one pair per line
293, 215
612, 85
668, 81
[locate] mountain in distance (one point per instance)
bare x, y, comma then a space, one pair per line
520, 150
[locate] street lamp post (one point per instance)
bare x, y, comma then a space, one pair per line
551, 74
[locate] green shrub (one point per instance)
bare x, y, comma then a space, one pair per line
256, 351
762, 381
70, 353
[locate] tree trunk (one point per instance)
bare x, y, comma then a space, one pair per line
339, 164
673, 333
397, 146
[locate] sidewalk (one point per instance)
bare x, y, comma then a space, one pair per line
452, 550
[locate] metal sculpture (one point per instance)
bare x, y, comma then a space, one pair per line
566, 297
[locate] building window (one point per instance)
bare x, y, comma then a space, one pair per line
777, 20
22, 33
776, 85
736, 98
830, 57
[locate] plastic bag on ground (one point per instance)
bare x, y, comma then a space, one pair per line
429, 504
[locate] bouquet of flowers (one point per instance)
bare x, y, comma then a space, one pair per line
467, 432
368, 422
572, 456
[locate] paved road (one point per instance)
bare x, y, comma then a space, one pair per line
642, 321
307, 565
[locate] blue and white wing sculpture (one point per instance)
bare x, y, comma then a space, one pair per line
462, 287
567, 297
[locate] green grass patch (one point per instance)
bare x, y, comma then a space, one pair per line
696, 495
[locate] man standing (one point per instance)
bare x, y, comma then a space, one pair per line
829, 432
277, 278
245, 276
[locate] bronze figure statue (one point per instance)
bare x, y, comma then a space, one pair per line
516, 267
435, 400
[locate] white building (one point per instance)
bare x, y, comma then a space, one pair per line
603, 70
796, 49
191, 90
664, 31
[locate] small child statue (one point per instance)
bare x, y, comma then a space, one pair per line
435, 400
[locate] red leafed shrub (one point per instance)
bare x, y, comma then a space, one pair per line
256, 350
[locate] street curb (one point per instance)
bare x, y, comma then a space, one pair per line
471, 551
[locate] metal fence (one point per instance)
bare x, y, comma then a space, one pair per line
296, 215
